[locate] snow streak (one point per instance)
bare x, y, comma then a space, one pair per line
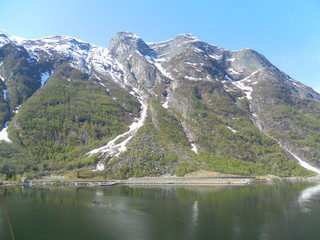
4, 133
303, 163
113, 148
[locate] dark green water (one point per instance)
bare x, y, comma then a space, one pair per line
262, 211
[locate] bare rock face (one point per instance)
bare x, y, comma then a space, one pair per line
20, 74
138, 60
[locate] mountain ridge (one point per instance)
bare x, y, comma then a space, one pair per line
184, 104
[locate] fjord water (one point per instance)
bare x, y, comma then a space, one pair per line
258, 211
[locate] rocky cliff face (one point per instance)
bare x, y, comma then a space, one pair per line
156, 108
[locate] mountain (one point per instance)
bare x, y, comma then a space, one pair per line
141, 109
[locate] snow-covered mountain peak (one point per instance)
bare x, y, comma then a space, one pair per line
86, 57
51, 51
126, 44
125, 37
188, 37
57, 48
57, 43
179, 38
100, 60
128, 34
6, 37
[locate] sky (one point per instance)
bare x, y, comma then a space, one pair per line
287, 32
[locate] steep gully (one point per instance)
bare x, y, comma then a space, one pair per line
112, 147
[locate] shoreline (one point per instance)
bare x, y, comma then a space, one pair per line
214, 181
189, 181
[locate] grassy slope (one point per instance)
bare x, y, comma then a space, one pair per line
65, 119
158, 148
246, 151
161, 145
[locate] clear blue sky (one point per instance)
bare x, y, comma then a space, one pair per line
287, 32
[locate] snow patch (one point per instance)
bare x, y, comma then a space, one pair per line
99, 167
245, 88
193, 64
158, 63
44, 78
18, 40
3, 41
107, 89
190, 138
149, 58
72, 48
198, 50
232, 71
215, 56
248, 78
244, 84
7, 38
194, 148
231, 129
113, 148
1, 77
17, 109
165, 104
4, 135
193, 79
303, 163
5, 94
229, 78
231, 59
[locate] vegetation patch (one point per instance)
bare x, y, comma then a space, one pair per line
65, 119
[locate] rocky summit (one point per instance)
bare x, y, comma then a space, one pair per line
151, 109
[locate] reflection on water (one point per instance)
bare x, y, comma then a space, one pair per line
262, 211
307, 195
195, 213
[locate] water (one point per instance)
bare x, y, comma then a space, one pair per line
262, 211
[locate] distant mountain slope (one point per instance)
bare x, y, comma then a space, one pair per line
154, 108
